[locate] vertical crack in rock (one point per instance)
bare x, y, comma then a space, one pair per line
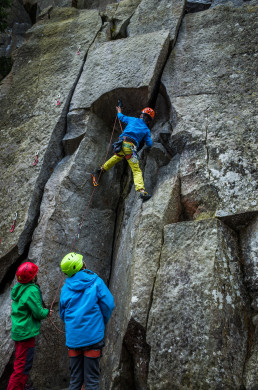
11, 267
139, 352
249, 311
207, 150
154, 281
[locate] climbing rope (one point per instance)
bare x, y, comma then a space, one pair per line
77, 236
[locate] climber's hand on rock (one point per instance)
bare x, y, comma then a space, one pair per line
118, 109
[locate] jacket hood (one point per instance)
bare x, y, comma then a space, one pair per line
81, 280
19, 289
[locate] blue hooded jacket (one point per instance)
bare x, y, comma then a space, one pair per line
86, 305
136, 129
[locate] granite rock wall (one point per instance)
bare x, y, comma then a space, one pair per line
183, 266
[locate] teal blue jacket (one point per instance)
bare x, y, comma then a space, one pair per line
136, 129
85, 307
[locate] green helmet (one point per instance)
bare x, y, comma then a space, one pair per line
71, 263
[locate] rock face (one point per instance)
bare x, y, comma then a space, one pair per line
102, 75
216, 167
38, 115
183, 266
18, 22
154, 16
199, 273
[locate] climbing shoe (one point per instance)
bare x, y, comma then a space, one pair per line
96, 176
145, 196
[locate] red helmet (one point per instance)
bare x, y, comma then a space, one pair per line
149, 111
26, 272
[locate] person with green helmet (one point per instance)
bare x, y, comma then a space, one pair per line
86, 305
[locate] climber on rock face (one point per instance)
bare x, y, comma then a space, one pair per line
27, 312
137, 130
86, 305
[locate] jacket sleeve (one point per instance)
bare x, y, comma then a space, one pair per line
61, 309
34, 303
148, 139
123, 118
105, 301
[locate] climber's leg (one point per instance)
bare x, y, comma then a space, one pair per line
112, 161
137, 175
24, 353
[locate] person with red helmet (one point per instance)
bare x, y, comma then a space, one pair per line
27, 312
136, 131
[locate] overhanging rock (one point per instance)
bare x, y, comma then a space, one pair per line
127, 68
152, 16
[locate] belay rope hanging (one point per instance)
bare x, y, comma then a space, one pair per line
77, 236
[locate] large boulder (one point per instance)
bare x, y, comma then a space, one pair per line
197, 329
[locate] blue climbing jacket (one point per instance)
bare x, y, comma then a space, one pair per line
136, 129
85, 307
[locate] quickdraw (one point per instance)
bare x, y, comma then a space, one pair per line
78, 51
36, 159
14, 222
94, 180
58, 100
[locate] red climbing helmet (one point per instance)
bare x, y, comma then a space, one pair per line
26, 272
149, 111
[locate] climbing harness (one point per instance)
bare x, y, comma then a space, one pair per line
14, 222
36, 159
134, 156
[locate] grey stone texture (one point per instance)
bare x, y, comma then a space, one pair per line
125, 68
118, 16
197, 330
183, 266
137, 257
7, 344
249, 245
152, 15
213, 102
31, 121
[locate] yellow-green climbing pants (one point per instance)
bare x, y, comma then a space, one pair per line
137, 173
